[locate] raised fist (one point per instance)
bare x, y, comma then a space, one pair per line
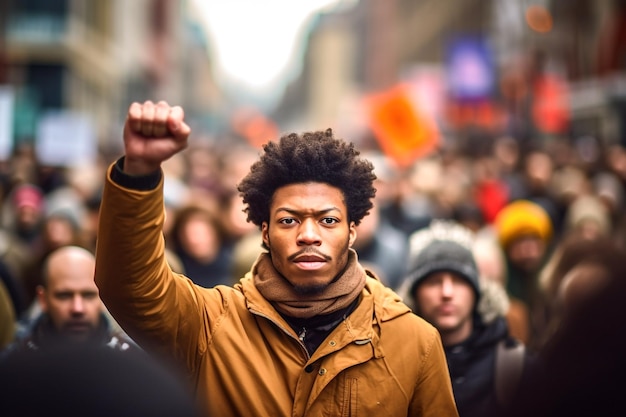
152, 134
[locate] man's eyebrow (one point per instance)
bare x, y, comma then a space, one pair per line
299, 212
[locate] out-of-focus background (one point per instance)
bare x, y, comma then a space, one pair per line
464, 107
248, 67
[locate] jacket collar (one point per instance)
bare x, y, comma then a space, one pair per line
378, 304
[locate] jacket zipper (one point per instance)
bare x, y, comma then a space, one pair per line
299, 339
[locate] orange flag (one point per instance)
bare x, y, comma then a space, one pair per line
403, 132
254, 126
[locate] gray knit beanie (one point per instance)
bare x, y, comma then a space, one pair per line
444, 246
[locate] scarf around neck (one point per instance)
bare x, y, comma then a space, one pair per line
337, 295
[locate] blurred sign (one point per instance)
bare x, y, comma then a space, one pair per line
6, 122
254, 126
470, 69
27, 109
550, 107
403, 131
65, 138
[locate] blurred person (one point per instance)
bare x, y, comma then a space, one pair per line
196, 239
25, 213
234, 163
524, 231
245, 252
507, 154
242, 238
233, 223
71, 309
588, 217
8, 319
525, 234
15, 290
92, 381
490, 192
15, 260
23, 165
615, 157
176, 192
443, 286
588, 154
607, 186
58, 229
535, 177
580, 369
534, 183
455, 186
203, 169
572, 250
470, 215
308, 331
413, 206
380, 245
568, 183
381, 248
491, 263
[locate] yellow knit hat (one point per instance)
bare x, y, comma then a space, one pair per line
519, 218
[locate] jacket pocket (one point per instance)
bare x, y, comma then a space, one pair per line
350, 396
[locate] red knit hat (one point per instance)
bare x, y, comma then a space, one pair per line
28, 195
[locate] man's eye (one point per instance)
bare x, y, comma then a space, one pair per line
329, 220
63, 296
287, 221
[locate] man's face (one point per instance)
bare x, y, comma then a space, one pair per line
71, 300
308, 234
526, 252
446, 300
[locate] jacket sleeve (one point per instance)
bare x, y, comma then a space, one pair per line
433, 396
157, 308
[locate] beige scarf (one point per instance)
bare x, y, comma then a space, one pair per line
339, 294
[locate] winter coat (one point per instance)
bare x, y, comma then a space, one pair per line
242, 356
40, 335
472, 370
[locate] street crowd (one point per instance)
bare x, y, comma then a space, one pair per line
486, 279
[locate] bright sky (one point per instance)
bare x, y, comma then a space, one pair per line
255, 41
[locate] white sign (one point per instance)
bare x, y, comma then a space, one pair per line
66, 138
6, 122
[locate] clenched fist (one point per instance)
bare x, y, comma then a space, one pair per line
152, 134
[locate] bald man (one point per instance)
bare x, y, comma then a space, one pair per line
71, 309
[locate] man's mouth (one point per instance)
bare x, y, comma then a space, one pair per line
310, 262
77, 327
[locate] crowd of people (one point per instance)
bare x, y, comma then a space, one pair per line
493, 273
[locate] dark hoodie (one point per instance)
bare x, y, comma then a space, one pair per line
472, 369
472, 363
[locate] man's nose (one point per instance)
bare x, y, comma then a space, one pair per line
308, 234
447, 286
78, 304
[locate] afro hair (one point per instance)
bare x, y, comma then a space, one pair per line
309, 157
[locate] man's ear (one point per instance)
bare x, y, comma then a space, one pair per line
41, 298
352, 234
265, 234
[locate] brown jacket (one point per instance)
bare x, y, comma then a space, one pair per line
242, 356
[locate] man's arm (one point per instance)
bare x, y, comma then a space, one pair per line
146, 298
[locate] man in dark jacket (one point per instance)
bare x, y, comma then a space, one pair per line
72, 312
443, 287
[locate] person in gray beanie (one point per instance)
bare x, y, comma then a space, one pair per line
443, 286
